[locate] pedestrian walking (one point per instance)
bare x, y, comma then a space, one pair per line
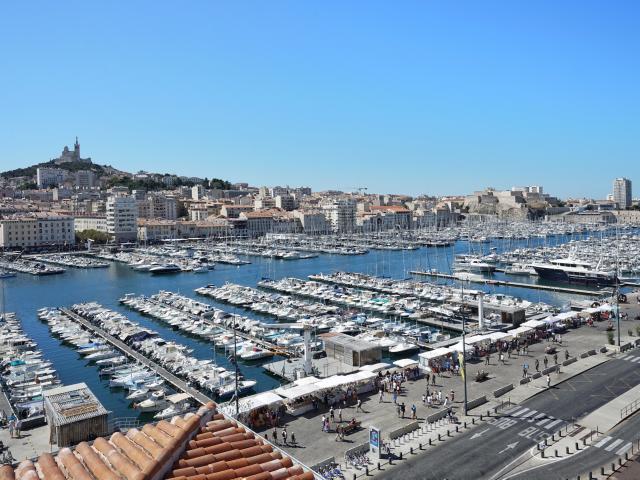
429, 400
433, 380
324, 423
11, 428
439, 396
332, 414
413, 411
537, 365
402, 409
359, 406
284, 436
486, 359
446, 401
395, 397
509, 352
338, 433
452, 395
381, 396
566, 354
339, 414
546, 362
555, 358
548, 380
275, 436
429, 375
525, 367
293, 438
424, 399
502, 358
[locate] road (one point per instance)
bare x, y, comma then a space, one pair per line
494, 448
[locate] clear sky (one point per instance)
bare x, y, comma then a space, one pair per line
412, 97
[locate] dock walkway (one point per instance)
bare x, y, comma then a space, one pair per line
504, 283
127, 350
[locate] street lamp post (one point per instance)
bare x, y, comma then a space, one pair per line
464, 349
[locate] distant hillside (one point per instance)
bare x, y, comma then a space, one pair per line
71, 167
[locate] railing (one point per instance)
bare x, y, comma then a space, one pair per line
629, 409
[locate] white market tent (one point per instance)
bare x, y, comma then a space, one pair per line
534, 323
497, 336
247, 404
405, 362
306, 380
519, 331
566, 315
438, 352
376, 367
298, 391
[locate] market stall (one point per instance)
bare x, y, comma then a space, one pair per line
257, 411
298, 399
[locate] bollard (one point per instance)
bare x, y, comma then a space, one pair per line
378, 465
480, 417
556, 452
354, 476
620, 461
400, 456
411, 450
473, 421
488, 413
584, 442
420, 446
464, 424
429, 442
439, 438
590, 475
567, 448
448, 433
626, 456
553, 437
456, 428
613, 467
542, 453
577, 446
366, 470
601, 470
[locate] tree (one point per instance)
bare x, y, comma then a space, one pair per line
90, 234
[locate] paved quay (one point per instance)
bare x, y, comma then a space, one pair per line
315, 446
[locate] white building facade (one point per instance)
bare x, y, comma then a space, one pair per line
122, 218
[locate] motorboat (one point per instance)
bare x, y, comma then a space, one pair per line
165, 268
574, 271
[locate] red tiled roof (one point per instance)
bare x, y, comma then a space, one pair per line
389, 208
202, 446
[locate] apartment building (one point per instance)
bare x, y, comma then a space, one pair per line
49, 177
122, 217
90, 222
36, 230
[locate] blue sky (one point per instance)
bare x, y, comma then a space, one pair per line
413, 97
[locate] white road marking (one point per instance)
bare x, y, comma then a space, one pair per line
544, 421
519, 412
613, 445
552, 424
602, 442
528, 414
624, 449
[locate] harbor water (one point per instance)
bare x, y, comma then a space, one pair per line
25, 294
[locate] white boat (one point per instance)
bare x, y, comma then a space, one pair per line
154, 403
230, 388
138, 394
165, 268
255, 353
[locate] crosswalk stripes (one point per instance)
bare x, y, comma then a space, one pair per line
602, 442
613, 445
630, 358
541, 419
609, 446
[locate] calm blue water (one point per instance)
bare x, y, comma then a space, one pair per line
24, 294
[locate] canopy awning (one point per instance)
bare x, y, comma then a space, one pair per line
534, 323
246, 404
305, 380
376, 367
519, 331
497, 336
298, 391
438, 352
405, 362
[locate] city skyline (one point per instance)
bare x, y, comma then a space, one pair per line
424, 99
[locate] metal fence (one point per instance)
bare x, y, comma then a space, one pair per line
629, 409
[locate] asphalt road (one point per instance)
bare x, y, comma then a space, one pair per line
604, 452
494, 448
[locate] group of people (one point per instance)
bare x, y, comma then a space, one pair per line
285, 437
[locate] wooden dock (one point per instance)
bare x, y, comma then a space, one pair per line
503, 283
128, 351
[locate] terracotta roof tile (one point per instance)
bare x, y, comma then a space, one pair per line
203, 446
